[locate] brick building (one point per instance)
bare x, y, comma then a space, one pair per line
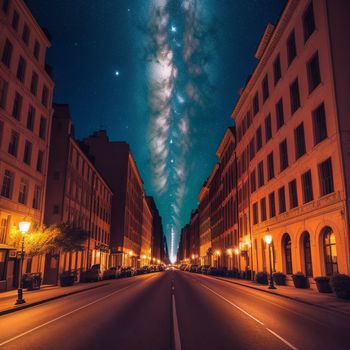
147, 231
76, 194
26, 91
205, 250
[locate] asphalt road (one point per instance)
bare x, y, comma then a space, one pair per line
174, 310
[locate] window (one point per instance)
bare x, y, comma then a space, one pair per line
319, 124
270, 167
287, 250
313, 72
13, 144
45, 96
252, 181
25, 34
261, 174
36, 51
299, 139
265, 88
17, 106
307, 187
283, 155
272, 204
31, 118
282, 200
23, 192
268, 128
279, 114
294, 96
255, 213
39, 163
3, 93
15, 20
34, 83
5, 6
291, 48
42, 128
258, 139
330, 249
252, 149
27, 152
21, 69
7, 53
326, 177
263, 209
277, 69
293, 195
7, 184
256, 104
308, 22
56, 209
36, 197
3, 234
307, 254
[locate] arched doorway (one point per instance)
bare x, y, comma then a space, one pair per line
307, 254
330, 250
287, 253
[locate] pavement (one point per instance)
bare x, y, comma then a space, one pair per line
174, 310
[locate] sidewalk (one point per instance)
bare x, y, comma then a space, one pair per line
45, 294
307, 296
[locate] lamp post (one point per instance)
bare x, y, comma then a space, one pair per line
268, 240
24, 228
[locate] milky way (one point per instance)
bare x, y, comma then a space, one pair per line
179, 65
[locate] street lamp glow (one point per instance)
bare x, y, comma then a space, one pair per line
236, 251
24, 226
131, 253
143, 256
217, 252
192, 256
268, 238
229, 251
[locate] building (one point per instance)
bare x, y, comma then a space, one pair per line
184, 255
26, 91
157, 232
228, 239
194, 237
117, 165
292, 121
205, 249
146, 238
76, 194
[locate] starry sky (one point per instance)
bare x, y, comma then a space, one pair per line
163, 75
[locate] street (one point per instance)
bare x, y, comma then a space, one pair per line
174, 310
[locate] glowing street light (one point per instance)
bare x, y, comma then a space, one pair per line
268, 240
229, 252
24, 227
218, 252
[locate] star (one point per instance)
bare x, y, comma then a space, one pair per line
117, 73
173, 29
128, 10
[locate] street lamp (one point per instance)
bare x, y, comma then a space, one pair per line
24, 228
268, 240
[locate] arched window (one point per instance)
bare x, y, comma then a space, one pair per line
330, 249
287, 250
307, 254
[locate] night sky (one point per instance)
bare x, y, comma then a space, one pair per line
161, 75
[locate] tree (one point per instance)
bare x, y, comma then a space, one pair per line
68, 238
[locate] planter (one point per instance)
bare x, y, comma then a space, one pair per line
323, 284
261, 278
341, 286
300, 281
67, 280
279, 278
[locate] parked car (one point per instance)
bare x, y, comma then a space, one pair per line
110, 274
92, 275
193, 268
127, 271
204, 269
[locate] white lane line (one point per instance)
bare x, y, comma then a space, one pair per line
62, 316
255, 319
236, 306
282, 339
177, 339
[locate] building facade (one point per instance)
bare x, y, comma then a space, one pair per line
146, 238
76, 194
205, 249
292, 159
194, 237
26, 91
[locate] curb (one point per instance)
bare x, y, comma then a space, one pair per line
39, 302
284, 296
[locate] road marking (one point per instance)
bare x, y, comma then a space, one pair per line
255, 319
282, 339
62, 316
177, 341
236, 306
